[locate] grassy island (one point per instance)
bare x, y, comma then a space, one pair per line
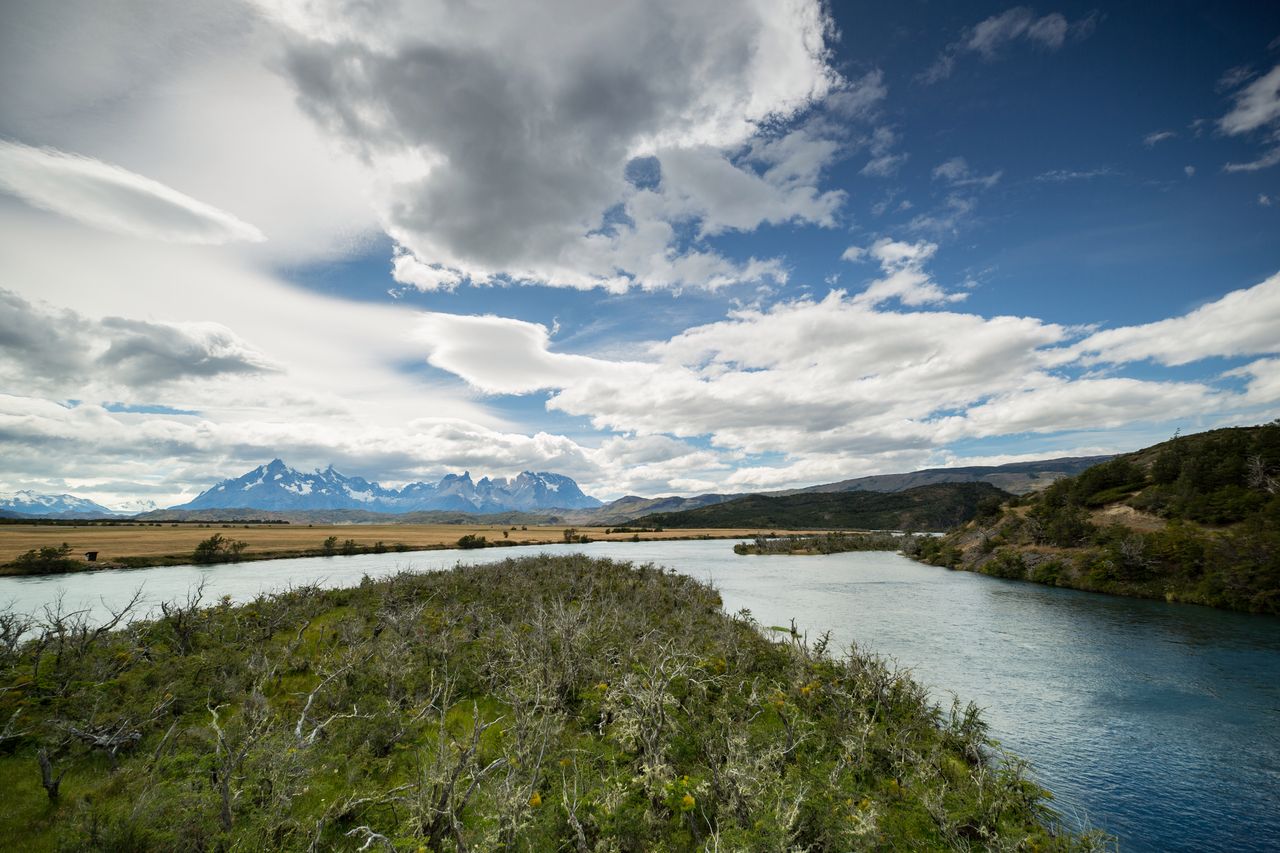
532, 704
828, 543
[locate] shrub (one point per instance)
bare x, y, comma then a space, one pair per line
218, 549
48, 559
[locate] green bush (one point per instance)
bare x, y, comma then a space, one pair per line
218, 549
47, 560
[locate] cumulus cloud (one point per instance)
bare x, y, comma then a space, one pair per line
988, 37
500, 137
904, 278
763, 381
841, 385
114, 199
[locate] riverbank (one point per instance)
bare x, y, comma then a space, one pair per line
1228, 568
538, 703
128, 546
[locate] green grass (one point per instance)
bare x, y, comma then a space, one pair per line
544, 703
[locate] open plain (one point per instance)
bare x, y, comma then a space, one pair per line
167, 543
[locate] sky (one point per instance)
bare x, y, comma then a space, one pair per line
660, 247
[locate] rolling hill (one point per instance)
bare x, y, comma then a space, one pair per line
933, 507
1194, 519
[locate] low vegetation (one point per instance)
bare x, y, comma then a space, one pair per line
534, 704
936, 507
830, 543
1195, 519
49, 559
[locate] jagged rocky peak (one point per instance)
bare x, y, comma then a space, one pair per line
276, 486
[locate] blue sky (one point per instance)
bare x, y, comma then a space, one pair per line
662, 248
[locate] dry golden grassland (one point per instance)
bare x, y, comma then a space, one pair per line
147, 541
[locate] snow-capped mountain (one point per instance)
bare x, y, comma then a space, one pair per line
52, 506
276, 486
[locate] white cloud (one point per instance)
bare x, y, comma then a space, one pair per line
499, 355
841, 386
1153, 139
65, 352
500, 136
44, 441
1263, 385
407, 269
114, 199
193, 101
1244, 322
1257, 106
1266, 161
859, 98
1057, 404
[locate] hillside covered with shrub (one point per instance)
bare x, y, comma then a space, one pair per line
1194, 519
934, 507
545, 703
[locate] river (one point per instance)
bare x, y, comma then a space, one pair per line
1159, 723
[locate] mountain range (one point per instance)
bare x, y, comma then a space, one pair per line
276, 486
28, 503
284, 492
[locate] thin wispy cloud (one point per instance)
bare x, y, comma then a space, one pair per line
1256, 110
114, 199
991, 36
1059, 176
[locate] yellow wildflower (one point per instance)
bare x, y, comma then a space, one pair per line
687, 802
535, 800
